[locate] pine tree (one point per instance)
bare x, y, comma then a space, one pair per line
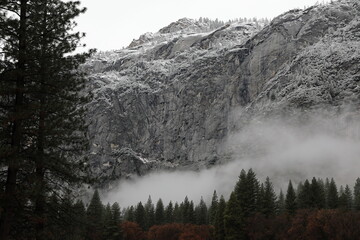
300, 187
116, 215
332, 195
79, 220
260, 199
246, 191
317, 197
159, 213
345, 198
234, 220
304, 197
269, 199
349, 198
187, 211
12, 80
140, 215
107, 222
322, 193
357, 194
177, 213
250, 196
169, 213
94, 217
201, 213
213, 208
59, 139
280, 203
240, 187
191, 213
290, 200
149, 213
67, 216
111, 221
219, 220
326, 189
130, 214
115, 229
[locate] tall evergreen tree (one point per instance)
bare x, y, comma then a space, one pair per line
317, 196
280, 203
116, 215
111, 221
191, 213
357, 194
59, 115
178, 216
94, 218
290, 200
187, 211
201, 213
240, 187
304, 197
213, 208
13, 81
260, 198
68, 219
326, 189
219, 220
332, 195
107, 222
169, 213
159, 213
130, 214
299, 188
246, 190
345, 198
269, 199
250, 196
322, 194
79, 213
149, 213
140, 215
234, 220
116, 233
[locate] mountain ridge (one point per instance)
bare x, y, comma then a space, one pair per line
167, 101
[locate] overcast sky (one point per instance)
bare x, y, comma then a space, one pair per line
113, 24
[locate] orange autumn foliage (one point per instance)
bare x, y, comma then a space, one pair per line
132, 231
177, 231
306, 224
165, 232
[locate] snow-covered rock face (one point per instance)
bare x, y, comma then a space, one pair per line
167, 100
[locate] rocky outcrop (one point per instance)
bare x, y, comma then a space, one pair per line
167, 101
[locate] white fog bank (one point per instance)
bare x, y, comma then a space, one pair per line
323, 148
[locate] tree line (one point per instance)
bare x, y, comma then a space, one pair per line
315, 209
214, 24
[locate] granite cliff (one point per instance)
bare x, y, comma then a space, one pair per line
168, 100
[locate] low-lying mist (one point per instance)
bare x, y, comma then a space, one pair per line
282, 150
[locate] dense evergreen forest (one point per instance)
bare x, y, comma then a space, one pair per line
315, 209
